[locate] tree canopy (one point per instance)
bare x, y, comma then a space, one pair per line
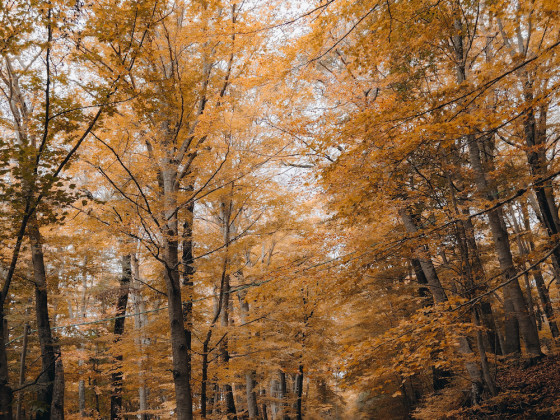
279, 210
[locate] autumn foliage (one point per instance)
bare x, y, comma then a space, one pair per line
279, 210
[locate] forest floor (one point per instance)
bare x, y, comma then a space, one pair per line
525, 393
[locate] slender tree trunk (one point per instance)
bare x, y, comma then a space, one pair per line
6, 394
48, 358
264, 410
57, 406
22, 369
118, 331
83, 310
283, 394
426, 264
483, 359
139, 323
204, 381
218, 307
524, 253
227, 229
82, 397
187, 275
224, 352
542, 290
299, 392
535, 139
420, 277
250, 383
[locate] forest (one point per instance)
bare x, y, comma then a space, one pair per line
279, 209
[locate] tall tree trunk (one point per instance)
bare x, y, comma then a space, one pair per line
83, 310
420, 277
224, 352
22, 370
515, 306
6, 394
139, 322
473, 269
218, 307
204, 381
283, 394
188, 272
48, 358
250, 374
483, 359
264, 410
299, 392
179, 341
542, 290
425, 263
227, 230
535, 139
440, 297
118, 331
57, 406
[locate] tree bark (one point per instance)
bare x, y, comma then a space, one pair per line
425, 263
22, 369
139, 322
118, 331
250, 383
48, 358
299, 392
535, 139
283, 394
542, 290
224, 352
6, 393
515, 306
204, 381
517, 317
264, 410
57, 406
440, 296
187, 260
179, 340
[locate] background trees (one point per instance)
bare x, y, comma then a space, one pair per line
253, 210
